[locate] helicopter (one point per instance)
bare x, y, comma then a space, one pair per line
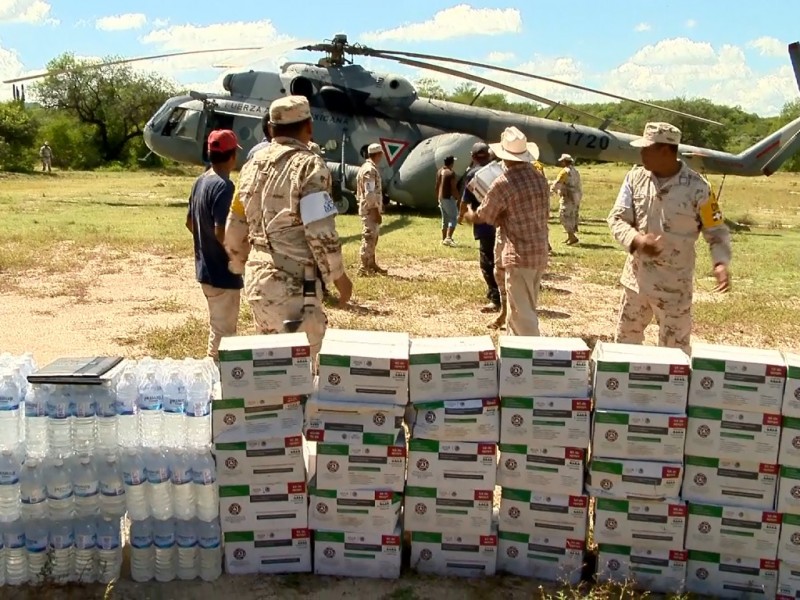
353, 107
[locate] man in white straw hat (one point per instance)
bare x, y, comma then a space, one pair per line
518, 201
568, 187
661, 209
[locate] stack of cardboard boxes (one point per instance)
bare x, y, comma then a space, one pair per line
636, 468
261, 454
788, 502
452, 459
358, 463
545, 418
732, 448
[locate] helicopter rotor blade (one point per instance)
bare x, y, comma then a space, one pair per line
122, 61
489, 83
542, 78
262, 53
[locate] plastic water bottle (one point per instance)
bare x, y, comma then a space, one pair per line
36, 421
60, 411
174, 411
60, 494
135, 479
151, 402
86, 487
106, 402
159, 484
143, 555
209, 538
127, 420
37, 536
109, 550
9, 487
16, 554
33, 491
198, 411
85, 568
84, 423
183, 501
62, 550
166, 549
112, 488
206, 491
10, 397
188, 550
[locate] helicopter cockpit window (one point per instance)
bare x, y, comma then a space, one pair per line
174, 119
189, 124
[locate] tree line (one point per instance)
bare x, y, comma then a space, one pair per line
95, 117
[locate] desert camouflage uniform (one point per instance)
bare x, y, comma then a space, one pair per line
266, 229
370, 196
678, 210
569, 189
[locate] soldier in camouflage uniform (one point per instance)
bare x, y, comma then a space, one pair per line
660, 211
282, 227
569, 189
369, 193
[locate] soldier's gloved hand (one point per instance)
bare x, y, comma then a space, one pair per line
648, 243
345, 288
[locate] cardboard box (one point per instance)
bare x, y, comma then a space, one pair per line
345, 554
615, 478
643, 568
268, 552
544, 514
361, 466
789, 453
736, 378
352, 422
562, 422
543, 366
364, 511
640, 378
450, 554
452, 369
254, 367
788, 500
638, 435
788, 581
725, 433
640, 523
730, 482
746, 532
466, 465
789, 543
279, 506
541, 558
730, 575
360, 368
557, 470
791, 389
447, 509
240, 420
265, 462
456, 420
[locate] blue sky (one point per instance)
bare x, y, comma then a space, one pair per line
632, 47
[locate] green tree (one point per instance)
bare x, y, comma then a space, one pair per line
72, 141
791, 111
428, 87
114, 100
19, 130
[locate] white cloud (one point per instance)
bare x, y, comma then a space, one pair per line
768, 46
122, 22
457, 21
25, 11
160, 23
691, 23
500, 57
642, 27
10, 66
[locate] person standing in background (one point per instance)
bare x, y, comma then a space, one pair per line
447, 193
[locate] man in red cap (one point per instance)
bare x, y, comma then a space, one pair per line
209, 203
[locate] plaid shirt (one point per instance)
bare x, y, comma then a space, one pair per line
519, 202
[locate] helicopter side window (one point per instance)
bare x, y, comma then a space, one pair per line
189, 124
174, 119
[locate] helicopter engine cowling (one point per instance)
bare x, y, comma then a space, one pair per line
412, 184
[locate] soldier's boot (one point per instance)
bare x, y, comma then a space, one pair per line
500, 321
572, 239
379, 270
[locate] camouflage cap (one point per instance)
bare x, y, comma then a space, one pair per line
658, 133
291, 109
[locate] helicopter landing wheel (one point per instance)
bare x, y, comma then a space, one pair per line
342, 204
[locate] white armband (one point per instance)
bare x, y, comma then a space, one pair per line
317, 206
370, 186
